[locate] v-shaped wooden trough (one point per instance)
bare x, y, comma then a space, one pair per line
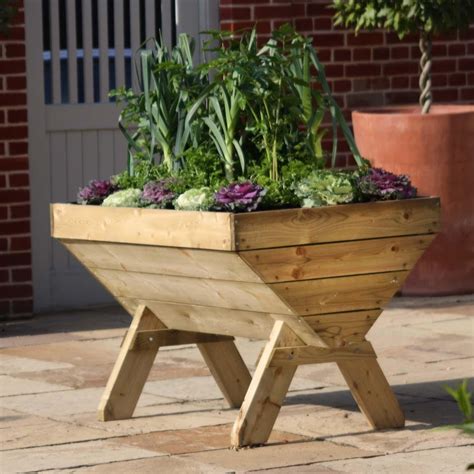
311, 282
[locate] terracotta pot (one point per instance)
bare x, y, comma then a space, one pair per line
437, 152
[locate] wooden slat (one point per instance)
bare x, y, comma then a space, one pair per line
71, 50
104, 51
150, 26
87, 48
291, 227
294, 356
339, 329
196, 291
156, 338
90, 155
135, 40
206, 230
334, 295
55, 61
308, 262
106, 153
166, 22
119, 44
210, 264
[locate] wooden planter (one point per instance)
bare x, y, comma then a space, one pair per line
311, 282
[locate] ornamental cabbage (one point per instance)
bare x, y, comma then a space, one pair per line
239, 197
379, 184
195, 199
322, 188
157, 194
125, 198
95, 192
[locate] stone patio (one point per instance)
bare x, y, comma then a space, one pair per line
53, 370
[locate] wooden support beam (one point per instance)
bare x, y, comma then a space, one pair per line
266, 392
228, 369
170, 337
372, 393
298, 355
130, 371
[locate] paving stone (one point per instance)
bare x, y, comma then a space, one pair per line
18, 430
146, 419
69, 455
443, 460
153, 465
54, 404
277, 455
15, 386
197, 439
10, 365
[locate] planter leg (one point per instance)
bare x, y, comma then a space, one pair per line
131, 370
372, 393
229, 370
266, 392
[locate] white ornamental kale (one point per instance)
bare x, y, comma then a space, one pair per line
323, 188
124, 198
195, 199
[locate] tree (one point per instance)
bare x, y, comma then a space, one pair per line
428, 18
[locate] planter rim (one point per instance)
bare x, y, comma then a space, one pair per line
414, 111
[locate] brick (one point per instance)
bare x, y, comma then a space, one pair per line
15, 83
4, 276
3, 181
303, 24
17, 116
380, 54
12, 66
15, 259
315, 9
444, 65
2, 116
439, 80
243, 2
400, 82
272, 12
445, 95
14, 195
402, 97
4, 308
16, 291
398, 68
21, 274
15, 50
13, 132
12, 98
362, 54
467, 94
14, 227
19, 180
334, 70
18, 148
20, 244
328, 39
15, 33
364, 69
342, 85
22, 306
342, 55
466, 64
13, 164
234, 13
400, 52
3, 245
20, 211
362, 39
456, 49
438, 50
2, 149
323, 23
458, 79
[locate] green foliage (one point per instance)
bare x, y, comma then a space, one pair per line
405, 16
8, 9
463, 399
125, 198
195, 199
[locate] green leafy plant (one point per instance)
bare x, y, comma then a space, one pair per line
8, 9
427, 18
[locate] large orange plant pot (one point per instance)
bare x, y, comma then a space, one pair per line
437, 152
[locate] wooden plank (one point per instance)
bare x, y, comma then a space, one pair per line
150, 26
119, 44
195, 291
228, 369
339, 329
135, 41
290, 227
104, 51
55, 49
207, 230
153, 338
167, 22
130, 371
212, 264
71, 51
372, 393
294, 356
87, 48
333, 295
308, 262
266, 393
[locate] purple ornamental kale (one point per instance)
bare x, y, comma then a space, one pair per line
239, 197
95, 192
379, 184
158, 194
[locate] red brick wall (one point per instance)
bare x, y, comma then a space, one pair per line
371, 69
16, 289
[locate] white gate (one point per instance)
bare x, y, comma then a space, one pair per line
76, 51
